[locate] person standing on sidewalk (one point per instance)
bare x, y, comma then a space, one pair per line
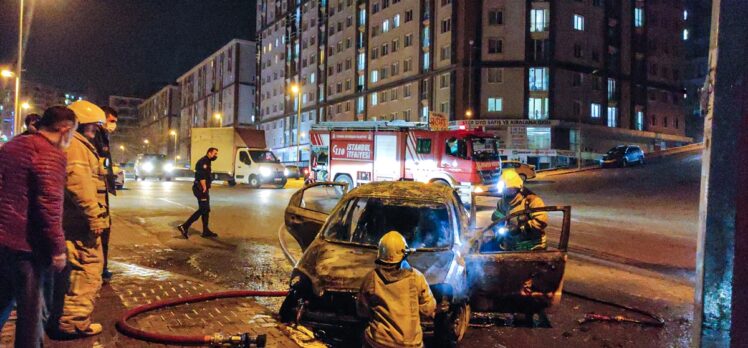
84, 219
32, 182
201, 190
105, 152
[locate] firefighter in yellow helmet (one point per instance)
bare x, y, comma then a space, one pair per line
85, 217
526, 231
393, 297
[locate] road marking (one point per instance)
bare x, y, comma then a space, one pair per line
176, 203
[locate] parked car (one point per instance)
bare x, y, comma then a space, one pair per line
524, 170
119, 177
339, 234
154, 166
623, 156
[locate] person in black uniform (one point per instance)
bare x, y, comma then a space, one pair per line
201, 190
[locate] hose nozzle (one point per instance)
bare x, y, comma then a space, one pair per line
244, 340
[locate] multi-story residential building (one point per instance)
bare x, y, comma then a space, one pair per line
697, 17
608, 70
128, 140
220, 91
35, 98
159, 122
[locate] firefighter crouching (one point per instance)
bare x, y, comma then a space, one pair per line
526, 231
85, 217
393, 297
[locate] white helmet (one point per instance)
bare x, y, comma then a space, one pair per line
88, 112
392, 248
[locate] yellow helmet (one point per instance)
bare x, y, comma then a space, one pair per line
510, 179
392, 248
87, 112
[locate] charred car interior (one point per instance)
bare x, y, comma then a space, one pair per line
338, 233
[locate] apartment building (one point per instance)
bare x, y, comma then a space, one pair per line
696, 33
127, 141
159, 122
220, 91
554, 80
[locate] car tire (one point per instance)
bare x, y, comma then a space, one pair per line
449, 328
641, 161
119, 187
253, 181
231, 182
136, 178
287, 312
624, 163
343, 178
168, 178
282, 184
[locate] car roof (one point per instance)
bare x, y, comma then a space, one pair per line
410, 190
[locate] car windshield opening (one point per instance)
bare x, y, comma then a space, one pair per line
485, 149
263, 157
617, 151
364, 220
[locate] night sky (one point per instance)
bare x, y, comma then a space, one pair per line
123, 47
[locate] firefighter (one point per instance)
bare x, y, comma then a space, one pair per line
201, 190
526, 231
393, 297
85, 217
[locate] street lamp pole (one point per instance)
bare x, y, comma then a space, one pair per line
176, 151
469, 111
17, 121
296, 90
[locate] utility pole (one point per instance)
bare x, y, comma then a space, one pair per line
721, 300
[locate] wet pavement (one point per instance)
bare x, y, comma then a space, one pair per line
246, 256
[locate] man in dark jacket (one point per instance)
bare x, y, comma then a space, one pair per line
201, 190
32, 183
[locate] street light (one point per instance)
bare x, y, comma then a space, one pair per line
219, 117
296, 90
146, 142
7, 73
174, 134
25, 106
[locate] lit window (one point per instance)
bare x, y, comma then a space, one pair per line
386, 26
538, 20
495, 104
685, 34
538, 79
595, 110
639, 122
396, 21
638, 17
685, 15
374, 76
612, 116
538, 138
578, 22
537, 108
374, 100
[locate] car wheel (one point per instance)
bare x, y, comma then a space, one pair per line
253, 181
449, 328
282, 184
641, 161
343, 178
288, 309
624, 163
119, 187
136, 178
231, 182
168, 178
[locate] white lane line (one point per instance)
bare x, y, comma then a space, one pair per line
176, 203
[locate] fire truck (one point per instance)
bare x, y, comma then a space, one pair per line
361, 152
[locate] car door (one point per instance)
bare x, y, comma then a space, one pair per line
308, 209
517, 281
243, 165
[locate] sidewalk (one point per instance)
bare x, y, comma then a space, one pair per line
134, 285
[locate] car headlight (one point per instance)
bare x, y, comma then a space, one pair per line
265, 171
285, 172
502, 231
148, 166
168, 167
478, 189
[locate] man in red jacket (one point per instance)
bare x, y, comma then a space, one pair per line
32, 183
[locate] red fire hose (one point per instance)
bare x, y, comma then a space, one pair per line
239, 340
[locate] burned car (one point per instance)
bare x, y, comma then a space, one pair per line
339, 234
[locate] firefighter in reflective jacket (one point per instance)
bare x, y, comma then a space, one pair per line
393, 297
526, 231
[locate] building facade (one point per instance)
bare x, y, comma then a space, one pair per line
697, 17
577, 78
220, 91
128, 141
159, 122
35, 98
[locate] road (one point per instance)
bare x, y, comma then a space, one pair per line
633, 240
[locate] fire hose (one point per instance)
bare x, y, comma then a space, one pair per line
591, 317
216, 340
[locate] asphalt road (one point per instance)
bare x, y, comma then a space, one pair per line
636, 226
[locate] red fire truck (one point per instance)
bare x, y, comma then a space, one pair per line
362, 152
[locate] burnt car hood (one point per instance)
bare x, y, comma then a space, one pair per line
342, 267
